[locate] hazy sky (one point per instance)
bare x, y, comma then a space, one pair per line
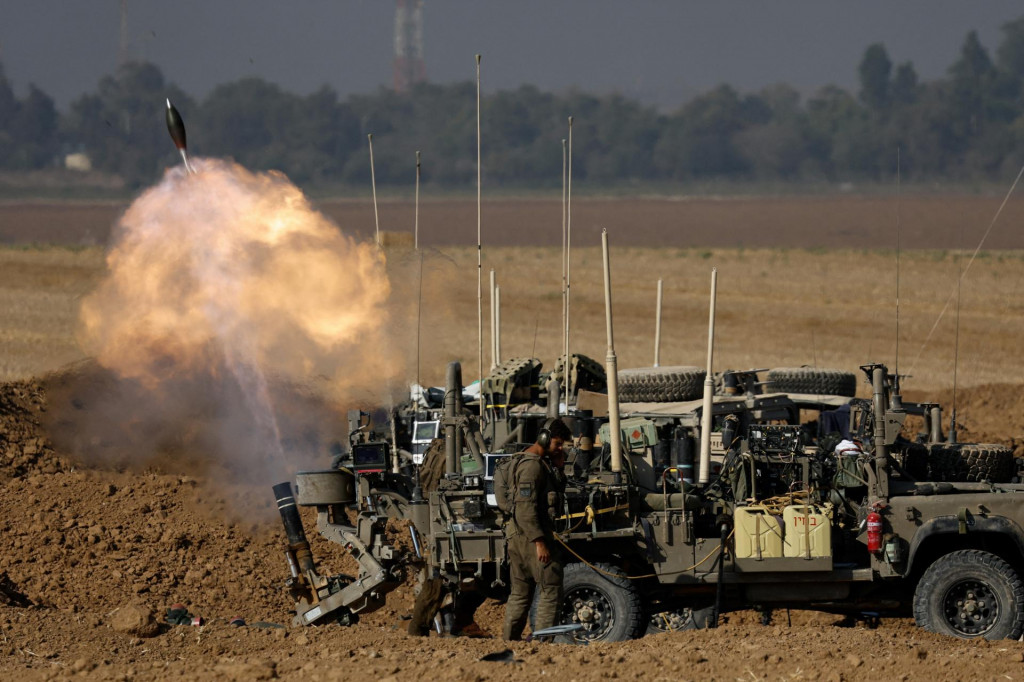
660, 51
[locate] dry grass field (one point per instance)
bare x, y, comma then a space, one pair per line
777, 306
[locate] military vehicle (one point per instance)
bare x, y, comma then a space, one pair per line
862, 518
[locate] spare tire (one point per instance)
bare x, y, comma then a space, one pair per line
813, 380
660, 384
974, 462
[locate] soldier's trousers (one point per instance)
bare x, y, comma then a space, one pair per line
527, 575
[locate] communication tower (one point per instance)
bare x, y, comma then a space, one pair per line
409, 66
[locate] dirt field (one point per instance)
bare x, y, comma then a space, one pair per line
89, 552
852, 222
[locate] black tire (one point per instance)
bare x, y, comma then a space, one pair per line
970, 462
813, 380
970, 594
606, 603
914, 459
676, 620
660, 384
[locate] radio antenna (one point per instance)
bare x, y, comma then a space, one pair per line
956, 339
494, 318
479, 254
657, 328
898, 198
968, 267
568, 261
419, 284
416, 215
565, 258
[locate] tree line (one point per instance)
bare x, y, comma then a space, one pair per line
967, 125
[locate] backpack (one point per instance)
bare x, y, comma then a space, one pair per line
505, 482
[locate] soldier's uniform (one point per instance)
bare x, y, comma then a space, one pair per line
538, 493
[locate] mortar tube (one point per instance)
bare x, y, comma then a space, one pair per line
451, 433
554, 388
881, 450
395, 455
298, 545
936, 430
611, 369
460, 410
707, 406
514, 437
475, 446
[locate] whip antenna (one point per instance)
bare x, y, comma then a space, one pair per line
898, 198
565, 304
416, 213
479, 253
969, 263
497, 324
373, 183
494, 322
657, 329
956, 339
419, 284
568, 260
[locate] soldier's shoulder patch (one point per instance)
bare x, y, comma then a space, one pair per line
525, 490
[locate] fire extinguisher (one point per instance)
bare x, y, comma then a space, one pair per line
874, 531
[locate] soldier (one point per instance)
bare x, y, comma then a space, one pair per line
534, 559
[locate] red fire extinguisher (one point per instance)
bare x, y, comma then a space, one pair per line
874, 531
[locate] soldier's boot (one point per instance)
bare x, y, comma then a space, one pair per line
428, 603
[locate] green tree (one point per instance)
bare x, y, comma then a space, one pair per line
699, 140
121, 126
971, 80
33, 130
875, 70
904, 87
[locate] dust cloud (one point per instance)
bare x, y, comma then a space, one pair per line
233, 324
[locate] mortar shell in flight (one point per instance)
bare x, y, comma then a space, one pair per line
176, 127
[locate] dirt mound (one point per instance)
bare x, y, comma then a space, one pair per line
24, 446
993, 413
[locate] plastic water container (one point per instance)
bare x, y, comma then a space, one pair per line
806, 524
758, 533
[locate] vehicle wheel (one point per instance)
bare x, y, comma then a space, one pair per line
968, 594
685, 618
970, 462
660, 384
813, 380
914, 459
608, 606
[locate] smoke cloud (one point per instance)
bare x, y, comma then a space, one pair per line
232, 319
